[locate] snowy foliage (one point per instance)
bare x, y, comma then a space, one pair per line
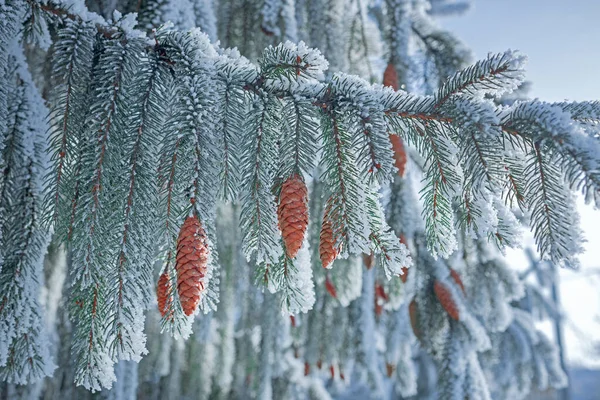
161, 110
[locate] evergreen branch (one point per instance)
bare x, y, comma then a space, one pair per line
497, 74
515, 190
138, 222
258, 215
355, 97
393, 254
293, 279
229, 179
24, 240
558, 132
443, 176
553, 212
479, 141
95, 157
72, 70
345, 193
298, 143
584, 111
288, 64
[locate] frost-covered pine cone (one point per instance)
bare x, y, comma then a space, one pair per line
192, 260
292, 213
162, 293
327, 242
444, 296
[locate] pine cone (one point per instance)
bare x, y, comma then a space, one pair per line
390, 76
192, 260
404, 275
399, 154
414, 318
369, 260
327, 246
293, 213
380, 292
390, 369
162, 293
330, 288
456, 276
444, 296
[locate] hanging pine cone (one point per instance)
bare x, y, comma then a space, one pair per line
163, 289
330, 287
414, 318
192, 260
380, 292
456, 276
389, 369
327, 246
399, 154
390, 76
404, 275
293, 213
369, 260
444, 296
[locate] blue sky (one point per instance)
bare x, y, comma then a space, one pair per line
562, 41
560, 37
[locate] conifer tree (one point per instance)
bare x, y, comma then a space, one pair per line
274, 199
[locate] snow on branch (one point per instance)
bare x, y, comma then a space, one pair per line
559, 131
497, 74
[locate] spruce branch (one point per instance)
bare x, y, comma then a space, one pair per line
344, 193
24, 355
258, 215
72, 71
494, 76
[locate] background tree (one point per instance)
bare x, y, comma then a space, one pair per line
223, 176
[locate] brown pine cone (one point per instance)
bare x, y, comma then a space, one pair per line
329, 286
327, 244
390, 369
292, 213
404, 275
162, 293
444, 296
414, 318
390, 76
191, 265
369, 260
456, 276
399, 154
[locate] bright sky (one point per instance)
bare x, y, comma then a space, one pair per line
562, 41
